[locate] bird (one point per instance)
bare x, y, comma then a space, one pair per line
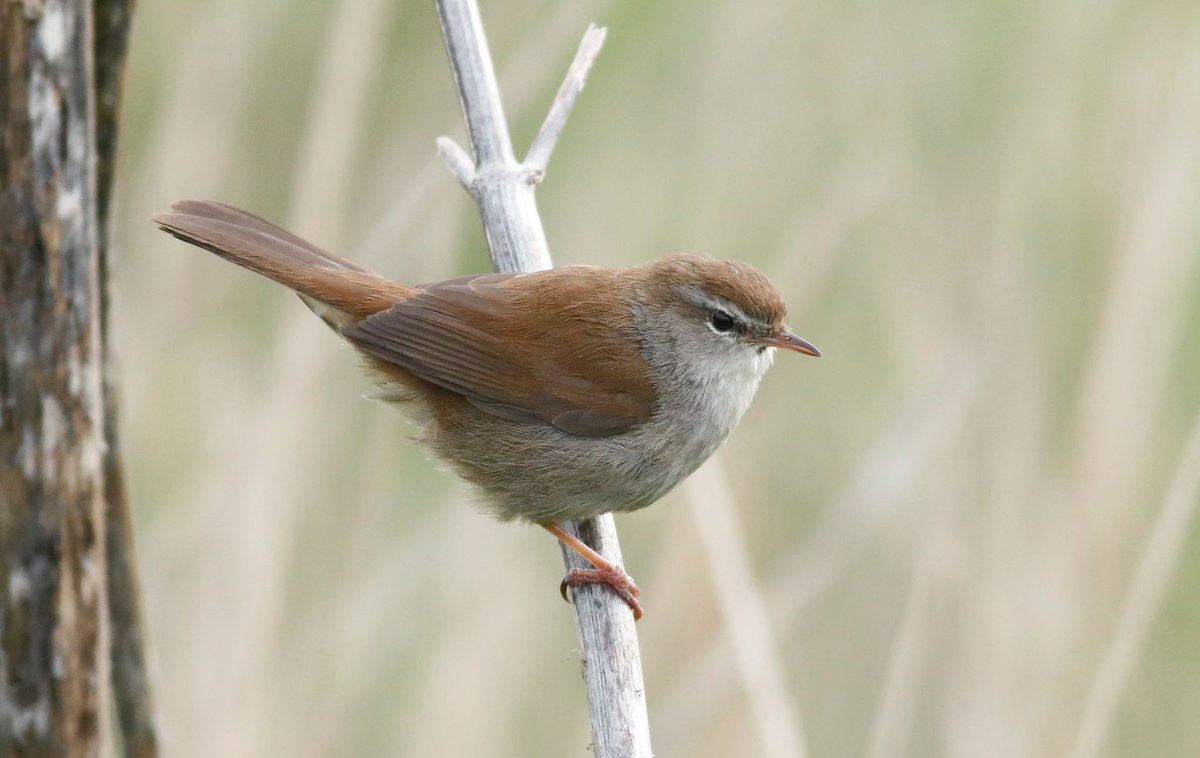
560, 394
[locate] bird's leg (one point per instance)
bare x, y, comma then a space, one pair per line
606, 572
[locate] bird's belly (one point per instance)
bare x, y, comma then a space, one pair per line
581, 478
542, 474
545, 475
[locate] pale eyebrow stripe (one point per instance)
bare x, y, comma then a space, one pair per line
701, 298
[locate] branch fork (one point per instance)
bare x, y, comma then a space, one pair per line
503, 189
533, 169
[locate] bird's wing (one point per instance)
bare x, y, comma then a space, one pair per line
529, 347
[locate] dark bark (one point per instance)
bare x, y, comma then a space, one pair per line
58, 458
131, 683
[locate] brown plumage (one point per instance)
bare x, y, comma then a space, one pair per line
517, 346
255, 243
488, 339
561, 394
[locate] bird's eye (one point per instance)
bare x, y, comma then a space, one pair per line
721, 321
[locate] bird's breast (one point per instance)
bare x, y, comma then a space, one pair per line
696, 413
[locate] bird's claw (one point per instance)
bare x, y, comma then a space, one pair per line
615, 577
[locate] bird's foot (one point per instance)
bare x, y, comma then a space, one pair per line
612, 575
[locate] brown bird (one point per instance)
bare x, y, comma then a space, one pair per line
560, 394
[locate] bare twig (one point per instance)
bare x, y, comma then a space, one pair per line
560, 110
503, 190
457, 161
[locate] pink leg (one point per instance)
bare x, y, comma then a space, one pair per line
606, 572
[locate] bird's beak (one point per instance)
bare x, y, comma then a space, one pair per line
785, 340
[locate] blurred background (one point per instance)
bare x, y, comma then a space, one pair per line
968, 530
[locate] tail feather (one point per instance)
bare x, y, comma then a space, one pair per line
211, 209
337, 290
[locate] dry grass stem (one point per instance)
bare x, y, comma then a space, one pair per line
744, 610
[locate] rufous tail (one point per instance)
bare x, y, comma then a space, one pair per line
337, 290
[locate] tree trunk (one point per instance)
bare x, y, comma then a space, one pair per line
60, 483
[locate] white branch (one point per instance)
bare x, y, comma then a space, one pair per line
564, 101
503, 190
458, 162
